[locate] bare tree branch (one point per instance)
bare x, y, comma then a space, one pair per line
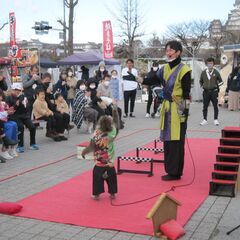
60, 21
129, 21
191, 34
75, 3
67, 3
3, 25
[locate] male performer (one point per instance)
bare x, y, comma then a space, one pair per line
175, 77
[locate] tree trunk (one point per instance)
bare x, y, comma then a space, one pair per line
131, 50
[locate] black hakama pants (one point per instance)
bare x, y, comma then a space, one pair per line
174, 154
98, 179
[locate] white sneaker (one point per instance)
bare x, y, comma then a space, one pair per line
147, 115
12, 152
6, 155
204, 122
216, 122
157, 114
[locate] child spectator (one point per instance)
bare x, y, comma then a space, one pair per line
103, 148
115, 86
8, 131
63, 108
61, 104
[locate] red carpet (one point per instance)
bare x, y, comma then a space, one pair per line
69, 202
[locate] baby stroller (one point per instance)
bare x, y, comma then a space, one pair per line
157, 93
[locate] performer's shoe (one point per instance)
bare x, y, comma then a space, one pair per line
95, 197
131, 115
125, 115
112, 196
57, 139
170, 177
63, 138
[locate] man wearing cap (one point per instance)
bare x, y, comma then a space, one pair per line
21, 116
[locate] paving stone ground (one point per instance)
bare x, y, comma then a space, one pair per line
215, 217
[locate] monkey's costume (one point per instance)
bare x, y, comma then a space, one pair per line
103, 148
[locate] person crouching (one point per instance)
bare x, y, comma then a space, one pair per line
102, 145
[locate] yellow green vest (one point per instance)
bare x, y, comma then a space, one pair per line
169, 118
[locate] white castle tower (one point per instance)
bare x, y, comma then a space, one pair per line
237, 3
233, 22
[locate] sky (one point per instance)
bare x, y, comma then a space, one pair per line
89, 14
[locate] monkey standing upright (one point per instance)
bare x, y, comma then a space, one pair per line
102, 145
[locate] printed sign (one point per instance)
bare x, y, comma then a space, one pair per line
12, 25
14, 50
107, 39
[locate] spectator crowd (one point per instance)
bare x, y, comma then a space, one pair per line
36, 98
72, 102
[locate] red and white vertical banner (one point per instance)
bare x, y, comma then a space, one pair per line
107, 40
12, 24
14, 49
